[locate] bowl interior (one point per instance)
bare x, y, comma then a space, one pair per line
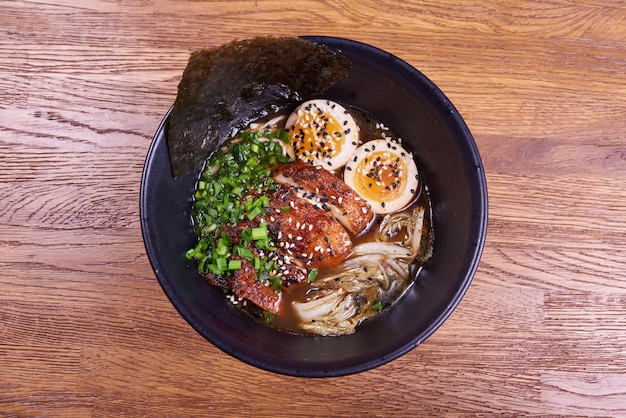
409, 103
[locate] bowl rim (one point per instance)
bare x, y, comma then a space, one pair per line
412, 75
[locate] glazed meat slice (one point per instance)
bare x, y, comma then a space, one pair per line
322, 188
309, 234
245, 284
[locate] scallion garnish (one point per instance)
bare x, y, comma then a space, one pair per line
378, 306
221, 200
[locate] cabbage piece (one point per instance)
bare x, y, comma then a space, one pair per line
376, 274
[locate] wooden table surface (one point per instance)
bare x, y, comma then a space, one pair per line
85, 328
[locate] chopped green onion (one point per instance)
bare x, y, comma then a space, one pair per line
230, 174
275, 282
255, 212
259, 233
284, 136
221, 263
245, 253
312, 275
234, 265
378, 306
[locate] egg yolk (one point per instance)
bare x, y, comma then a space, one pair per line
318, 135
381, 176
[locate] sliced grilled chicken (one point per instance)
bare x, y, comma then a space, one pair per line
244, 283
308, 233
324, 190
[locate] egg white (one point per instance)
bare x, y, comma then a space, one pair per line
322, 132
384, 174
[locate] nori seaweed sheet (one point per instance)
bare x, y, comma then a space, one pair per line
225, 88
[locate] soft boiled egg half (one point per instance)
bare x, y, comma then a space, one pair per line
383, 173
322, 132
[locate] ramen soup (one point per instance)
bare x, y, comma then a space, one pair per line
313, 220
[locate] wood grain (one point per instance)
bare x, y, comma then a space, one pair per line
85, 329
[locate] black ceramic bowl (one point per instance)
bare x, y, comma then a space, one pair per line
408, 102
